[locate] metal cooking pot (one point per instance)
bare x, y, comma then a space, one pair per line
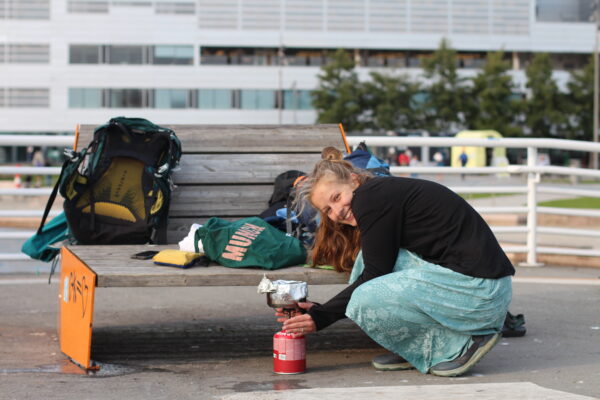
276, 300
287, 294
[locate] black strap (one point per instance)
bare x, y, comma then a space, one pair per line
52, 197
160, 231
288, 216
121, 127
92, 209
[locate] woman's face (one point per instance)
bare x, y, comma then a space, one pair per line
333, 199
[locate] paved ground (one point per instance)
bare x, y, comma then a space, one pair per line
215, 343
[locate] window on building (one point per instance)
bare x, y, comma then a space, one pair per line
384, 59
87, 6
234, 56
175, 8
415, 59
376, 60
25, 9
303, 57
27, 97
85, 54
213, 57
266, 57
24, 53
471, 60
239, 56
171, 98
125, 54
564, 10
297, 100
257, 57
296, 60
569, 61
132, 4
173, 55
257, 99
126, 98
215, 99
85, 98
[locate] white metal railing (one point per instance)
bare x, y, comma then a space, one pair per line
27, 140
532, 189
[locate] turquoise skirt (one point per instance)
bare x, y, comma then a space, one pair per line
427, 313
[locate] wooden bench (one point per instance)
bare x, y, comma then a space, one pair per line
227, 172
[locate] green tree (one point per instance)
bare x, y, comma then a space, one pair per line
543, 109
445, 96
338, 96
493, 104
580, 103
389, 100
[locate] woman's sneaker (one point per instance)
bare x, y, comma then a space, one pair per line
481, 345
390, 362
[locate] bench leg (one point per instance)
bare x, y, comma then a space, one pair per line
76, 306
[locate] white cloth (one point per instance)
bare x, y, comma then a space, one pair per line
187, 244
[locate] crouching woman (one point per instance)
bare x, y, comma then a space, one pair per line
431, 283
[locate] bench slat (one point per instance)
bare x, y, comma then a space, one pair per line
207, 201
240, 168
246, 138
144, 273
179, 227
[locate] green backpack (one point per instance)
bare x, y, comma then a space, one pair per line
117, 189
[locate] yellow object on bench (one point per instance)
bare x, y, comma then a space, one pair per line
176, 258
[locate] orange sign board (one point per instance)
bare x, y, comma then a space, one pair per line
76, 298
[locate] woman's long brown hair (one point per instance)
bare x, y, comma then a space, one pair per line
335, 244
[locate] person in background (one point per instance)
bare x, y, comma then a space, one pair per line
464, 159
38, 160
404, 158
438, 158
414, 162
431, 284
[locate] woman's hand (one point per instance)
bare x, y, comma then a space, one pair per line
299, 322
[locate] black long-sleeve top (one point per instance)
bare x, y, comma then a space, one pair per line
425, 218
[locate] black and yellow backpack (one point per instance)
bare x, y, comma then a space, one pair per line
117, 189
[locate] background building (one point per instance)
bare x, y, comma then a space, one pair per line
64, 62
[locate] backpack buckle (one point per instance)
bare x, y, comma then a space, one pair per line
71, 154
162, 169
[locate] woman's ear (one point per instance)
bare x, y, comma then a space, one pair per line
354, 180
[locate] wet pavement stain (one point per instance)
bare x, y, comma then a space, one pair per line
66, 367
278, 384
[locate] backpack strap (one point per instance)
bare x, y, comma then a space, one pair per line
174, 155
159, 234
52, 196
72, 156
119, 125
288, 216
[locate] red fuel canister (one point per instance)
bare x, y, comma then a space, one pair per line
289, 353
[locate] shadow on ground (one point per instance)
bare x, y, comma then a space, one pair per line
187, 341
